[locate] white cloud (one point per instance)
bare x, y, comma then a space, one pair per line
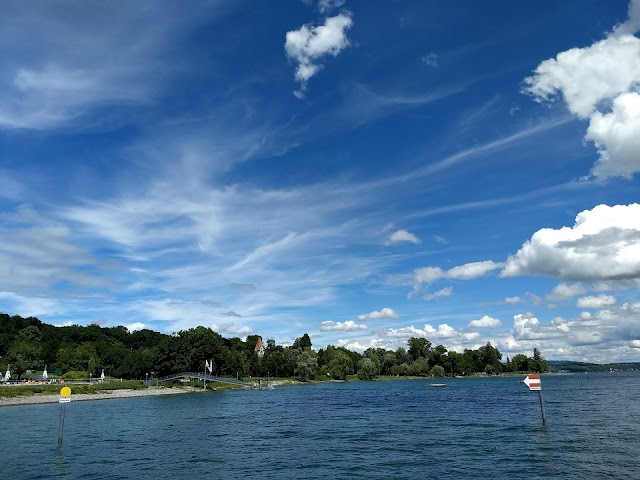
348, 326
467, 271
513, 300
527, 327
596, 301
632, 24
472, 270
135, 326
430, 59
325, 6
440, 240
231, 329
587, 76
37, 252
592, 78
308, 44
485, 322
444, 331
402, 236
445, 292
604, 244
616, 135
384, 313
565, 291
67, 76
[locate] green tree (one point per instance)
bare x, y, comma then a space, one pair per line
307, 365
437, 355
419, 348
340, 366
367, 369
520, 363
419, 367
539, 364
437, 371
490, 359
302, 343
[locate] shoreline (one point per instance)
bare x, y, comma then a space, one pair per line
39, 399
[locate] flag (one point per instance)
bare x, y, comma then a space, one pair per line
45, 375
209, 366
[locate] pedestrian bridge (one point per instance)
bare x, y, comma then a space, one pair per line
202, 376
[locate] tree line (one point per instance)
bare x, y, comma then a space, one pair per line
28, 344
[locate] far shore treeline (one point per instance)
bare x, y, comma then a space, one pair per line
28, 344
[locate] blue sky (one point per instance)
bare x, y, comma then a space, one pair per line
362, 172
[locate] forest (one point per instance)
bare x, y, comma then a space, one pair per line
28, 345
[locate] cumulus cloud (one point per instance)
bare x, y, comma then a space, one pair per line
402, 236
485, 322
430, 59
604, 244
513, 300
444, 331
600, 83
231, 329
308, 44
445, 292
384, 313
616, 135
468, 271
135, 326
348, 326
565, 291
599, 301
526, 326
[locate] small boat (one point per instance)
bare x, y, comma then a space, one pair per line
437, 384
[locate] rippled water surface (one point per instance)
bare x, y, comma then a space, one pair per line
473, 428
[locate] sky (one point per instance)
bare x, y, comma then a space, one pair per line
364, 172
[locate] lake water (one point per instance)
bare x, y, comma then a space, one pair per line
473, 428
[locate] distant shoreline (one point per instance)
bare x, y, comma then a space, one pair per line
39, 399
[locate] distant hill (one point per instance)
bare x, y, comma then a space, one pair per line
570, 366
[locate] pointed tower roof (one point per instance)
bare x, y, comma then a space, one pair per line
259, 347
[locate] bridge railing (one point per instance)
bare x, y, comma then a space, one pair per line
202, 376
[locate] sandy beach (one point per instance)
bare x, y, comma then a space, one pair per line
105, 395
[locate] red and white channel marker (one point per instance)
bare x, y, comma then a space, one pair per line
533, 382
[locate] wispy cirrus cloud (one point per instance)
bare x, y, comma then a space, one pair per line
56, 84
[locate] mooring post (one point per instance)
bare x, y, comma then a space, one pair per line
544, 420
65, 393
61, 427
